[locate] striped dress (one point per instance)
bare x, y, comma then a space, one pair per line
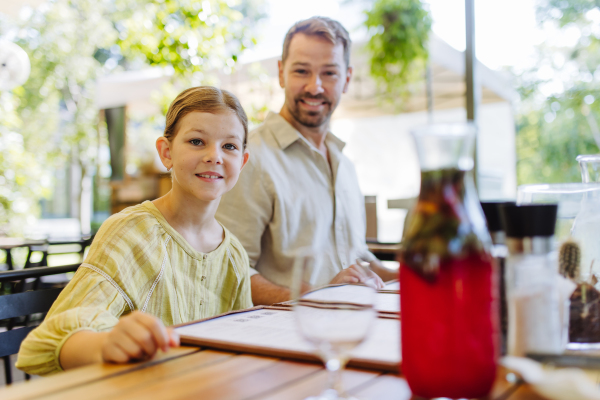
139, 262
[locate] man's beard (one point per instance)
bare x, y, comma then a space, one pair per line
311, 119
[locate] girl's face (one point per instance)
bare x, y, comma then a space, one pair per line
206, 154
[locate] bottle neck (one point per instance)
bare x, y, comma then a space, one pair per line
442, 185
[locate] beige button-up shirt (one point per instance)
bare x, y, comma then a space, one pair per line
288, 196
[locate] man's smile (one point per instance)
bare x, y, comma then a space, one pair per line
313, 104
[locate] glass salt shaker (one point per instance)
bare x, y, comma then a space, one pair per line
538, 297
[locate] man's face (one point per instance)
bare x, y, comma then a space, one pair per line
314, 77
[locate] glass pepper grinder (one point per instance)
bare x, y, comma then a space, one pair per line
448, 282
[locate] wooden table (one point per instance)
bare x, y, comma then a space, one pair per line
192, 373
384, 251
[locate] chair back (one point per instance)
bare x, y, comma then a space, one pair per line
20, 305
26, 303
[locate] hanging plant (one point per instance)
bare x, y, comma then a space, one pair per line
398, 45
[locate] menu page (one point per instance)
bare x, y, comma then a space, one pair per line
277, 329
385, 302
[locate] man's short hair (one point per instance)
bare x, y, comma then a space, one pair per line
324, 27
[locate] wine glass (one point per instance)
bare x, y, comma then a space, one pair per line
333, 319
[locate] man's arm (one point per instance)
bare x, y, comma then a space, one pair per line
265, 292
384, 273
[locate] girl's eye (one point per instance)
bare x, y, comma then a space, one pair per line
196, 142
230, 146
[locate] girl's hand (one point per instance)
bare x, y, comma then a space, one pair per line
137, 336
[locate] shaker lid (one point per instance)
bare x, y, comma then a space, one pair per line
491, 209
529, 220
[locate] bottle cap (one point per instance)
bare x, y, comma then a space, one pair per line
491, 209
529, 220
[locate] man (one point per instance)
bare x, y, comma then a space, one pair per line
298, 190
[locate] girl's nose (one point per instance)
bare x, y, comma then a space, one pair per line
213, 155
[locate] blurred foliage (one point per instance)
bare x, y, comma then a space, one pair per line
559, 110
398, 44
23, 179
552, 136
191, 38
188, 36
261, 90
71, 43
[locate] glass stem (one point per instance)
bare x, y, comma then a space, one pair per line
335, 366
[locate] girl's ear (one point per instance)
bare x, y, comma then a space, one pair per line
163, 146
245, 160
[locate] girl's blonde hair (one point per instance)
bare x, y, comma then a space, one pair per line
203, 99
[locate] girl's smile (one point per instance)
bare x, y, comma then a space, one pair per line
209, 176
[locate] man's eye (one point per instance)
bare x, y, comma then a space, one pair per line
230, 146
196, 142
300, 71
330, 73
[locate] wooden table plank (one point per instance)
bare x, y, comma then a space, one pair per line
385, 387
209, 374
391, 248
80, 376
272, 378
391, 386
315, 383
113, 386
524, 392
192, 384
503, 389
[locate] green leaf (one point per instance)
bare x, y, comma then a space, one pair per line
398, 44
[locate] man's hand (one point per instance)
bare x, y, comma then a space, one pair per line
137, 336
357, 274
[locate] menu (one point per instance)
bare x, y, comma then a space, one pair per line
385, 302
272, 331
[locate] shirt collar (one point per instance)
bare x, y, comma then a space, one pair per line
285, 134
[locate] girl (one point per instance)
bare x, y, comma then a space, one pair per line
159, 263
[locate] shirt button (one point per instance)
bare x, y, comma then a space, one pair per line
203, 278
204, 257
201, 302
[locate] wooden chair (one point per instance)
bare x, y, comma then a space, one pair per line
13, 306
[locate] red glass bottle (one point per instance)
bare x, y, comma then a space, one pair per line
448, 283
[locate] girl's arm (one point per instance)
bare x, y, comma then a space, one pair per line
137, 336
